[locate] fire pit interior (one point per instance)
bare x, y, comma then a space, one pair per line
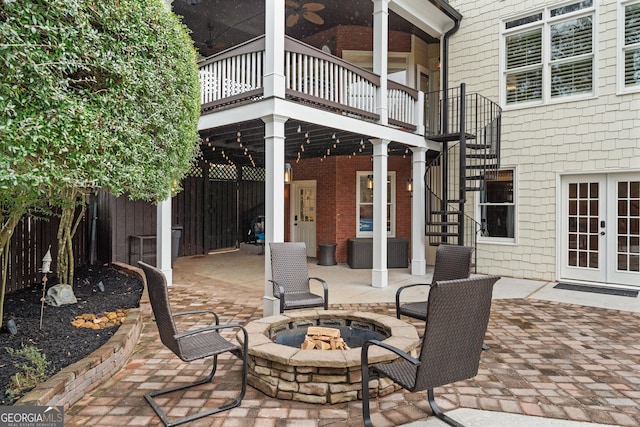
280, 368
353, 333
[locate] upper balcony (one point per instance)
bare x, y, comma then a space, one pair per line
313, 77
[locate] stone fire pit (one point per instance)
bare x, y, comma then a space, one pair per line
327, 376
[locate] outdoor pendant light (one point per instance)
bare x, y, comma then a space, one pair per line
288, 173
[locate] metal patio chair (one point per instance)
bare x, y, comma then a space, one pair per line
190, 345
457, 318
290, 277
452, 262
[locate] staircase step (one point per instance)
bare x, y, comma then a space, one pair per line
482, 167
440, 234
478, 146
454, 212
487, 156
475, 178
443, 224
448, 137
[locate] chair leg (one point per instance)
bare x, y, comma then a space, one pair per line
366, 415
170, 423
438, 413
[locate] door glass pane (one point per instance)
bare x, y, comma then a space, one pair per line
307, 207
583, 225
628, 222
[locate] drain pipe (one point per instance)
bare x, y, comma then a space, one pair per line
456, 17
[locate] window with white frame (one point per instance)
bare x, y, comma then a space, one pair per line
549, 54
497, 207
364, 208
630, 46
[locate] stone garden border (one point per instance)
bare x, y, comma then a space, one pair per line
71, 383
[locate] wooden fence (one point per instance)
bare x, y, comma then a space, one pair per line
30, 242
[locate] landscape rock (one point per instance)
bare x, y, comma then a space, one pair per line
59, 295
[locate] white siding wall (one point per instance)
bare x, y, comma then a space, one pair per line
593, 135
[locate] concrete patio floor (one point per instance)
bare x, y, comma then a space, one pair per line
558, 358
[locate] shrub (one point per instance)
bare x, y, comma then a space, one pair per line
33, 367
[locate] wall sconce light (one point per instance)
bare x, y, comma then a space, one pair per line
370, 182
288, 173
410, 185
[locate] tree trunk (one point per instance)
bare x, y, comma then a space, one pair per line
5, 242
72, 197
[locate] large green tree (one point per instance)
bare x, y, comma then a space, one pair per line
94, 94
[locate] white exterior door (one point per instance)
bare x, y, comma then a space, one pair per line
304, 214
600, 228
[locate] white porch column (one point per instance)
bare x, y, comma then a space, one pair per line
380, 273
274, 200
418, 260
380, 49
274, 80
163, 239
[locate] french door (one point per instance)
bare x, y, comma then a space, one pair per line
600, 228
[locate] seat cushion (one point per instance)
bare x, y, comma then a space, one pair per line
417, 310
303, 299
204, 344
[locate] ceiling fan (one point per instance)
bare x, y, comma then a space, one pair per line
306, 10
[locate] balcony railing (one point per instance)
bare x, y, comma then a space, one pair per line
312, 76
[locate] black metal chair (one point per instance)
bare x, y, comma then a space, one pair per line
457, 318
190, 345
452, 262
290, 277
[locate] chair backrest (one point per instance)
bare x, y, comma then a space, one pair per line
452, 262
457, 318
159, 298
289, 266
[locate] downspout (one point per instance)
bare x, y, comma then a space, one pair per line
456, 17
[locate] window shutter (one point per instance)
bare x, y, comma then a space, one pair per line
524, 66
632, 45
572, 39
524, 49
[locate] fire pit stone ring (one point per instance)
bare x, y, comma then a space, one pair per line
322, 376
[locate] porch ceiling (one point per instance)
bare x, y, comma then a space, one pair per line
219, 24
242, 144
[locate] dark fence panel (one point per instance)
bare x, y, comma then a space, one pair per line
214, 212
250, 205
188, 211
224, 215
30, 241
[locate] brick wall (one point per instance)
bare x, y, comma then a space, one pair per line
335, 178
352, 37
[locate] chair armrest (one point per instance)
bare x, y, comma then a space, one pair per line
211, 328
402, 288
364, 354
280, 287
326, 291
186, 313
281, 292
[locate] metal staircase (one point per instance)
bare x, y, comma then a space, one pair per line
468, 127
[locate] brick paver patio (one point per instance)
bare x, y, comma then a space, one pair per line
546, 359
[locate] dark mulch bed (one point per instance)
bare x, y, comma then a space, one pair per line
61, 342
